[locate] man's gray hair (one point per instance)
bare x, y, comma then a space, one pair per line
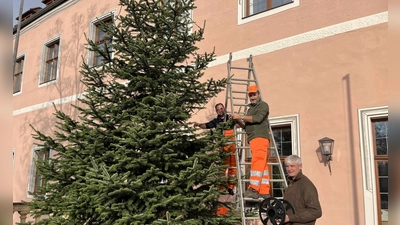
293, 159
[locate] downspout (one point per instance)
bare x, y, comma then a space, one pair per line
21, 8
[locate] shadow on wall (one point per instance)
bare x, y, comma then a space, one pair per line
353, 153
72, 50
321, 157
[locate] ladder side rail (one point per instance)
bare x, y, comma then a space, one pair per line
228, 89
238, 149
239, 174
278, 159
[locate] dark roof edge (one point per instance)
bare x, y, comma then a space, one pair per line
38, 14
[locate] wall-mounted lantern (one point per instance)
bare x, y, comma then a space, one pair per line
326, 145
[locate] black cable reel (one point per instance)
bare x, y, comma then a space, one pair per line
274, 210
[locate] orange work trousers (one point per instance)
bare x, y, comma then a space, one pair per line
230, 172
259, 172
231, 160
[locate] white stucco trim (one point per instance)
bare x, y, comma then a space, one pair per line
242, 7
304, 38
293, 121
48, 104
267, 47
367, 160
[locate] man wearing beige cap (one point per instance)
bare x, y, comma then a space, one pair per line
255, 123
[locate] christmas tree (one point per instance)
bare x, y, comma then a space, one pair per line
132, 156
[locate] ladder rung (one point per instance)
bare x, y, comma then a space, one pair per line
241, 68
243, 92
241, 113
277, 180
269, 163
258, 199
239, 98
252, 218
243, 147
253, 199
240, 104
239, 83
270, 180
238, 79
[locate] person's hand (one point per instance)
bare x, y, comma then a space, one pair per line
278, 221
235, 116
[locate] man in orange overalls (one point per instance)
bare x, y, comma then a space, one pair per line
255, 122
231, 160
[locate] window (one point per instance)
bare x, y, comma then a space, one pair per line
374, 161
380, 137
51, 53
283, 140
257, 6
35, 180
285, 130
19, 67
250, 10
102, 40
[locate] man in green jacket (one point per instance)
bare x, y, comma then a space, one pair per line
255, 123
302, 194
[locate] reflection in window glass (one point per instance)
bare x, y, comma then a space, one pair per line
257, 6
381, 136
383, 183
283, 140
380, 133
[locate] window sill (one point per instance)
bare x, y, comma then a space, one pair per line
48, 83
17, 93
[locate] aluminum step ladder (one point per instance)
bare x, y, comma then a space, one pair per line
236, 100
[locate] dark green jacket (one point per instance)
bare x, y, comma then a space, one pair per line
259, 127
303, 195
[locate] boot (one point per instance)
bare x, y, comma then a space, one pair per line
251, 193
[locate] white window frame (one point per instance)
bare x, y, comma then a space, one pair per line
293, 121
365, 117
92, 33
32, 170
22, 55
43, 61
242, 11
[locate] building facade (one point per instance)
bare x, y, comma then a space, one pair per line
322, 68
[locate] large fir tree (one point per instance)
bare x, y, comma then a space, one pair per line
132, 157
